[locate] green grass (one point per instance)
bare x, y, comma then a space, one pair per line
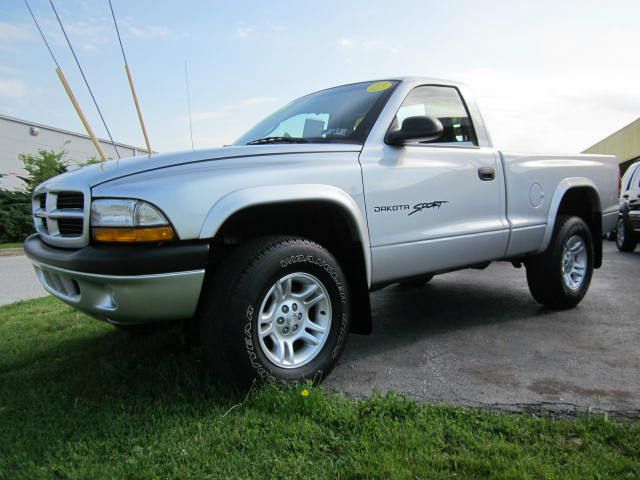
79, 399
10, 245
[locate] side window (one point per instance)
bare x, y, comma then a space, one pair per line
446, 105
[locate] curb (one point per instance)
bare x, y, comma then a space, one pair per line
11, 252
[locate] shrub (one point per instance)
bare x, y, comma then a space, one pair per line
15, 206
15, 216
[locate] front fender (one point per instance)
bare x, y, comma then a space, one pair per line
264, 195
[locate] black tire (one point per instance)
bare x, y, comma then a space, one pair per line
544, 271
625, 239
417, 283
231, 302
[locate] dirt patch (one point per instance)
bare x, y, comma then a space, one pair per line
555, 388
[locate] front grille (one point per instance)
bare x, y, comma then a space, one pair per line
40, 205
60, 217
70, 200
70, 227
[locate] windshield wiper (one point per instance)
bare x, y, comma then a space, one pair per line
260, 141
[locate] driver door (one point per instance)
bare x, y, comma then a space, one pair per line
433, 206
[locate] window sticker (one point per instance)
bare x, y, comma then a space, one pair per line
379, 86
336, 132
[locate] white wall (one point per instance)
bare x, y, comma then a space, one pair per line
16, 138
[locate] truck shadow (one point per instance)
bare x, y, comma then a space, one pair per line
103, 363
107, 366
403, 316
164, 365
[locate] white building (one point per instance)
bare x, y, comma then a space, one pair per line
20, 136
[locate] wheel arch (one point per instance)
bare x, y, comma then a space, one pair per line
577, 196
326, 203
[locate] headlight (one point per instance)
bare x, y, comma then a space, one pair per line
123, 220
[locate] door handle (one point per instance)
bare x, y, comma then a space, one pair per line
626, 195
487, 174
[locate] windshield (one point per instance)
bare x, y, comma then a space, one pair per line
342, 114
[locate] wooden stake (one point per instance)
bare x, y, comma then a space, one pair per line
135, 100
83, 119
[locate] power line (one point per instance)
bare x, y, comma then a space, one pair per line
118, 32
133, 89
67, 89
95, 102
186, 79
42, 34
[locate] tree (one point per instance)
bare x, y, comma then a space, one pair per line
90, 161
41, 167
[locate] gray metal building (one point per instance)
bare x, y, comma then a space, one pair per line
20, 136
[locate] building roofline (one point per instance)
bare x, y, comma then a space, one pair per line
612, 134
69, 132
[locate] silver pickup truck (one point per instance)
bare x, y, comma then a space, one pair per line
271, 246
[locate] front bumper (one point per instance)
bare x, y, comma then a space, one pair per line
123, 285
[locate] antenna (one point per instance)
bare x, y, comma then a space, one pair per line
95, 102
67, 89
186, 79
133, 90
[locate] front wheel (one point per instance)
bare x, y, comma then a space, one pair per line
560, 277
625, 240
278, 308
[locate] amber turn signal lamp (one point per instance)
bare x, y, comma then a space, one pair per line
133, 235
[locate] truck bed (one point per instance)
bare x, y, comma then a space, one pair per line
535, 184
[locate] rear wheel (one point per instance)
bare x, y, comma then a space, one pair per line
625, 239
560, 277
278, 308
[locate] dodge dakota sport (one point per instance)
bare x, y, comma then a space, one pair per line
269, 247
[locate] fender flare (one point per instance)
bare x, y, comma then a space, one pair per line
238, 200
563, 187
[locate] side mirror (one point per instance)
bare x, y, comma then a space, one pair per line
416, 129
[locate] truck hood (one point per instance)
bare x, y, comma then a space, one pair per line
110, 170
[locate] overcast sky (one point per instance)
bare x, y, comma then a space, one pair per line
550, 76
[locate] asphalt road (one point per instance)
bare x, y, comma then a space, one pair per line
18, 280
478, 338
